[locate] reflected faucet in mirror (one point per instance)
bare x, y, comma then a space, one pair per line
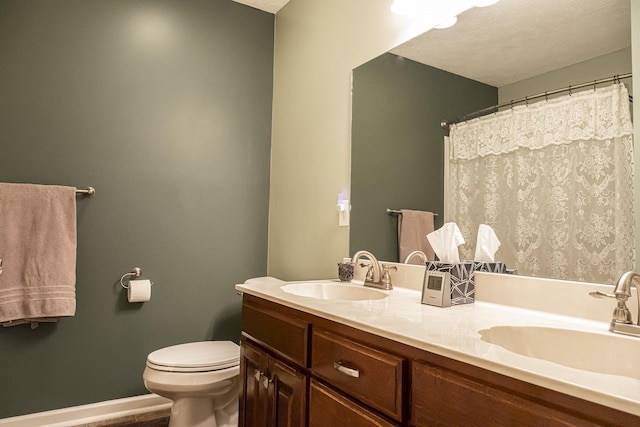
622, 321
419, 254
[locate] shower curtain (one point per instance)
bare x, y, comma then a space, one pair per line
554, 180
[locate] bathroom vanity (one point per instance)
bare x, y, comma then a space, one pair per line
394, 362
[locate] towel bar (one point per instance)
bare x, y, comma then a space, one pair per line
89, 191
399, 212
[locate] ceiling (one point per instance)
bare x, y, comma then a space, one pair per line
271, 6
516, 39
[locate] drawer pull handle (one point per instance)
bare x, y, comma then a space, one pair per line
347, 371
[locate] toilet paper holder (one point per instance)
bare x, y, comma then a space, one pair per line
135, 273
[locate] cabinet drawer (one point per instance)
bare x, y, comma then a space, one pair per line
371, 376
286, 335
328, 408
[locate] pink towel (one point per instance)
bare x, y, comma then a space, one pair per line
413, 227
38, 253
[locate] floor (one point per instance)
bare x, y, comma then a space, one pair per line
150, 419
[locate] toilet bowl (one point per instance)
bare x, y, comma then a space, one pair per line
201, 378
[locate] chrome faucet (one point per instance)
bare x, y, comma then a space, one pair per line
373, 270
418, 254
377, 276
622, 321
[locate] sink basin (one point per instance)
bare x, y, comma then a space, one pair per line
334, 291
604, 353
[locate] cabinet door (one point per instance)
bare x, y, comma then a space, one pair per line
288, 395
328, 408
254, 397
440, 397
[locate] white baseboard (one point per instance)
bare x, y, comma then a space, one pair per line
94, 412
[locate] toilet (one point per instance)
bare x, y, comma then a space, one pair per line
201, 378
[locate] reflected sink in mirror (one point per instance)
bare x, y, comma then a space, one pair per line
334, 291
604, 353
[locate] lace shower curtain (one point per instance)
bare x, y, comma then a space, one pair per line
554, 180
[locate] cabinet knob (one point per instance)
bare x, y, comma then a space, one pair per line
345, 370
266, 381
262, 378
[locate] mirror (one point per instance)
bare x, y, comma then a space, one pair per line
506, 51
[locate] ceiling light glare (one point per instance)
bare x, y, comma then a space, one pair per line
447, 24
408, 7
485, 3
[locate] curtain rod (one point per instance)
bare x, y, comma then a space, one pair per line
445, 124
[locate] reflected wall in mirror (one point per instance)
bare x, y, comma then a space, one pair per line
492, 53
397, 145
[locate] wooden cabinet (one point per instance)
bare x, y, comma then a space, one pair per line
254, 401
274, 393
268, 325
274, 357
371, 376
280, 355
449, 392
288, 395
302, 370
472, 403
329, 408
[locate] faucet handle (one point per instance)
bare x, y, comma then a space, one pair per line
599, 294
621, 313
386, 277
369, 275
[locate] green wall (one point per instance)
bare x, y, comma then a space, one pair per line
600, 67
165, 108
397, 151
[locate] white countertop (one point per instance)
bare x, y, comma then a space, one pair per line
453, 332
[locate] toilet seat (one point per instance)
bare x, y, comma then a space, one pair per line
203, 356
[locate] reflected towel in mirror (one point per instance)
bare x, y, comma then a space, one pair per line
413, 226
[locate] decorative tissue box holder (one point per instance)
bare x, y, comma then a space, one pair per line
461, 279
491, 267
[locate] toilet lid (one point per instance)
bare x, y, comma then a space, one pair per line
196, 357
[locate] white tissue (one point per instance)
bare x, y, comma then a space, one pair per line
445, 242
486, 245
139, 291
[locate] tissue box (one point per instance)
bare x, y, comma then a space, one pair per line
491, 267
462, 283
